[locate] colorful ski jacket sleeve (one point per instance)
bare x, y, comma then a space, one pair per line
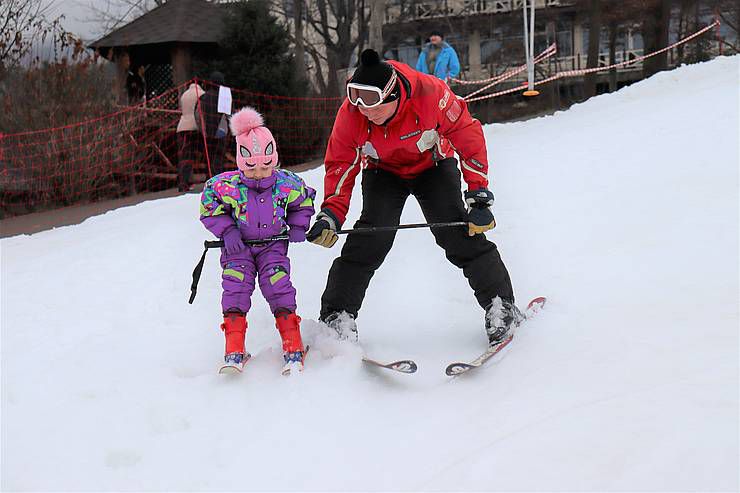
342, 162
299, 207
465, 133
218, 202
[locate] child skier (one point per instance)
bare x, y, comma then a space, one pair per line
256, 203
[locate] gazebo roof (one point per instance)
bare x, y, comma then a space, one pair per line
188, 21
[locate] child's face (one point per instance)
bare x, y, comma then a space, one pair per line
256, 149
258, 172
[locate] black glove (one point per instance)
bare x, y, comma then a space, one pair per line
323, 231
480, 217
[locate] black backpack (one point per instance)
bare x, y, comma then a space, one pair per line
208, 106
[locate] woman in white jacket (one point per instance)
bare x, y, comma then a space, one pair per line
187, 136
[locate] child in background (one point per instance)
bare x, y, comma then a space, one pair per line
257, 202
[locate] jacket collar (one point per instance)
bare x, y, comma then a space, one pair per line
259, 185
441, 47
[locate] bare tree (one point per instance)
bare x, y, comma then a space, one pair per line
333, 21
728, 12
655, 30
376, 25
333, 31
594, 38
112, 14
22, 24
300, 51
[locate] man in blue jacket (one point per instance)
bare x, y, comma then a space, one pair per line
438, 58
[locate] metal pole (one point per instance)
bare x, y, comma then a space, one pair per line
530, 78
526, 33
529, 47
379, 229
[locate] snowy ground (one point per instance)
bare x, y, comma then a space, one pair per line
622, 210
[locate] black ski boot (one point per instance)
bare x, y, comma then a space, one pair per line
501, 318
343, 324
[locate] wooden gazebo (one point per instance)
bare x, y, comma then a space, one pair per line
168, 37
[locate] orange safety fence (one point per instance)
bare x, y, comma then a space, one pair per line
138, 149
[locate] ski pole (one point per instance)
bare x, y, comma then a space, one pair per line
218, 244
377, 229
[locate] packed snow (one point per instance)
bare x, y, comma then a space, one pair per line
623, 211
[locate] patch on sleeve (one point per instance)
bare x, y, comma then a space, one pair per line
443, 100
455, 111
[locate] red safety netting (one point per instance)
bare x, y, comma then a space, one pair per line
138, 149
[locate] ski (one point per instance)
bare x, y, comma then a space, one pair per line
288, 367
231, 368
234, 368
401, 366
458, 368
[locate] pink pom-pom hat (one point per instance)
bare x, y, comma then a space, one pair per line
255, 144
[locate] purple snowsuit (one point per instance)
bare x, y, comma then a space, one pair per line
260, 209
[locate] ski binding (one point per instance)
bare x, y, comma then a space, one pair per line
458, 368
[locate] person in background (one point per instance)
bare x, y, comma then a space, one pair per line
110, 74
136, 86
187, 136
214, 124
438, 58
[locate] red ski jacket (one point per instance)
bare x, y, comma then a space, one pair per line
431, 123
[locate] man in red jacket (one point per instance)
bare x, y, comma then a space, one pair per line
401, 128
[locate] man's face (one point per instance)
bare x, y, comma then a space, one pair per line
380, 114
435, 40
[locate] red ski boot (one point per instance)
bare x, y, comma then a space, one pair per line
235, 330
289, 326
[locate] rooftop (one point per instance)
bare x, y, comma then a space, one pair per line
188, 21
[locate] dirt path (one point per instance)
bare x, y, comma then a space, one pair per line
66, 216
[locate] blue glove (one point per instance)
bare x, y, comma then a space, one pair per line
233, 241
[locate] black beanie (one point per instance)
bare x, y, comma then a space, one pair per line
372, 71
217, 77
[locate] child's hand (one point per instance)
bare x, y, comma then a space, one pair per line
296, 235
233, 241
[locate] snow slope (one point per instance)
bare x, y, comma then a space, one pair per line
622, 210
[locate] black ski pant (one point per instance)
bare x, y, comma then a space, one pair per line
438, 192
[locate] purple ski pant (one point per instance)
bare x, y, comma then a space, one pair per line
270, 264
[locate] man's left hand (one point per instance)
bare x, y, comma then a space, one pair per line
480, 217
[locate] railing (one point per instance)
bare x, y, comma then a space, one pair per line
500, 6
572, 62
577, 62
430, 10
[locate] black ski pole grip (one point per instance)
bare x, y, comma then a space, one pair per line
196, 274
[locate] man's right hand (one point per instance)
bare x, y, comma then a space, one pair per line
324, 230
